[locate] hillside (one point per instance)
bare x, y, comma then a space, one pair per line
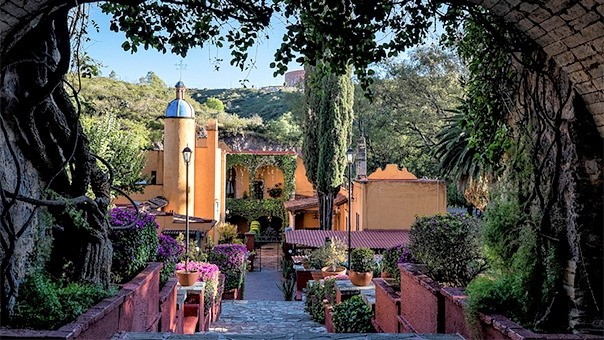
268, 103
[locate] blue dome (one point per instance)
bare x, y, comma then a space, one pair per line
180, 108
180, 83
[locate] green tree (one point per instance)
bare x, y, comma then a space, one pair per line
412, 99
214, 104
327, 132
120, 143
285, 130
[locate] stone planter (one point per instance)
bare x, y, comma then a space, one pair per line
360, 279
422, 305
329, 319
231, 294
387, 305
135, 308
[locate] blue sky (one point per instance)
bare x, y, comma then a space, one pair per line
105, 46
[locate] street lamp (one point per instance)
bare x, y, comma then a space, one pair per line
186, 156
349, 159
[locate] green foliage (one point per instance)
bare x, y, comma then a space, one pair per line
361, 260
288, 288
255, 227
527, 271
327, 133
313, 304
331, 254
44, 304
248, 103
285, 130
227, 233
392, 257
132, 247
329, 290
252, 209
409, 106
353, 316
214, 104
450, 246
121, 144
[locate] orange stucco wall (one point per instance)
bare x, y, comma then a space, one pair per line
208, 179
242, 181
271, 176
308, 220
178, 133
303, 186
155, 162
394, 204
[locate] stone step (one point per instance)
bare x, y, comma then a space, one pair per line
265, 317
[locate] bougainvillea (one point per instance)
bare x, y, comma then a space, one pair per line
168, 252
231, 259
132, 247
208, 273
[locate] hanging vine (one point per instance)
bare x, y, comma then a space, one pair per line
251, 208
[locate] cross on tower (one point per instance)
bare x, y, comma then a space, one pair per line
180, 67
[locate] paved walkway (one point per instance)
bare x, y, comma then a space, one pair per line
263, 286
268, 318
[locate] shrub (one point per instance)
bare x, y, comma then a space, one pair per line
132, 247
392, 257
352, 316
228, 233
331, 254
313, 304
329, 289
361, 260
450, 247
287, 286
168, 252
44, 304
231, 259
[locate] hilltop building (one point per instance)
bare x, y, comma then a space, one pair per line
294, 78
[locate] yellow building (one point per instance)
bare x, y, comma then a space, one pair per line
258, 182
204, 174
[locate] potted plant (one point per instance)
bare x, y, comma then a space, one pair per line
362, 264
276, 191
316, 262
334, 253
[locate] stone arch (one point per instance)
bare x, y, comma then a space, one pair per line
572, 34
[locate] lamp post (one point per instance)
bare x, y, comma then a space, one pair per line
349, 159
186, 156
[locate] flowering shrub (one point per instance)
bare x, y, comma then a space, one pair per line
450, 247
231, 259
392, 257
132, 247
168, 252
208, 273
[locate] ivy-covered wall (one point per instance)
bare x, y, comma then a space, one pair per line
251, 208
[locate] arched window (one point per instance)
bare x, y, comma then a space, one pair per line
230, 184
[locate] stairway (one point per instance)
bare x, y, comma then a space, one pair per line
266, 318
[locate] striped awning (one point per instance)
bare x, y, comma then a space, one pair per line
374, 239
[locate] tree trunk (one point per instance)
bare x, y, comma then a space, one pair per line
44, 150
326, 210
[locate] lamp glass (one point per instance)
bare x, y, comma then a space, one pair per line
186, 154
349, 155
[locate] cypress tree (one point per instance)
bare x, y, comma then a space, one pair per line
327, 131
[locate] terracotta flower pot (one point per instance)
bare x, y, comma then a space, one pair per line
316, 275
187, 277
360, 279
384, 275
327, 271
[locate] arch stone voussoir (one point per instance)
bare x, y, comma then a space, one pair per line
572, 34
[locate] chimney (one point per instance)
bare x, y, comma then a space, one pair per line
361, 159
